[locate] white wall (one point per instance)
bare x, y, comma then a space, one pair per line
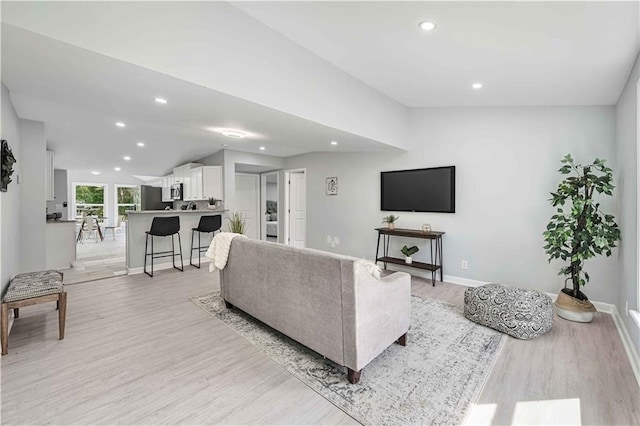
10, 200
111, 179
506, 164
627, 153
32, 207
234, 54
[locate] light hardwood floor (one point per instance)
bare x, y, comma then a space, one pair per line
137, 351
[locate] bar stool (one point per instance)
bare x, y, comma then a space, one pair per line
163, 227
207, 225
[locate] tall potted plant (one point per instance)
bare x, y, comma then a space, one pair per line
579, 231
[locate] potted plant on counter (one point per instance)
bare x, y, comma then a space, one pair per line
212, 203
237, 223
390, 221
580, 231
408, 253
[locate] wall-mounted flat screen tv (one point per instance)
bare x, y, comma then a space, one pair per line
419, 190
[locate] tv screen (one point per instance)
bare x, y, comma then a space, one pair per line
420, 190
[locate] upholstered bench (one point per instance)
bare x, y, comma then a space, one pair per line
31, 289
518, 312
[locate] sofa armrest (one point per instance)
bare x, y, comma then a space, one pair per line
381, 314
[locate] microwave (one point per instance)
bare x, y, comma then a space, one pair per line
176, 191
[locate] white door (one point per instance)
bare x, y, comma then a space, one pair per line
297, 209
248, 202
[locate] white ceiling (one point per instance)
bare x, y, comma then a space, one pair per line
525, 53
80, 95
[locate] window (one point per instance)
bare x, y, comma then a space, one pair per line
89, 200
127, 198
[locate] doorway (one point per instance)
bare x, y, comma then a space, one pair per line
248, 202
295, 207
269, 196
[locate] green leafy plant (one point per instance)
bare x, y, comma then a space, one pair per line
212, 201
8, 160
409, 251
390, 219
236, 223
580, 230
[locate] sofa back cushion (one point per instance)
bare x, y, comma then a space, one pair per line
296, 291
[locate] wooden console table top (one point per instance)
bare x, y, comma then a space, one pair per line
414, 233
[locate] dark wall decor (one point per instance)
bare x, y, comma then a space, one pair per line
6, 165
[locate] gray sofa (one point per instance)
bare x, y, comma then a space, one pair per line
327, 302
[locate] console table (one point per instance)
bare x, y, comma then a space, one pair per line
435, 240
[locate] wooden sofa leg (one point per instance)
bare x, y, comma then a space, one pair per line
228, 305
402, 340
5, 328
353, 376
62, 314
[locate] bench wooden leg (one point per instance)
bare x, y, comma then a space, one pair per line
16, 313
353, 376
4, 320
62, 313
402, 340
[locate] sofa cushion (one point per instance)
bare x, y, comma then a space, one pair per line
518, 312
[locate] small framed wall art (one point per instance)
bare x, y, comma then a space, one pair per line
332, 185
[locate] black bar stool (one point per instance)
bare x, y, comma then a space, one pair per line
163, 227
207, 224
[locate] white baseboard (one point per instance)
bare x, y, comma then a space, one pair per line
463, 281
629, 347
160, 267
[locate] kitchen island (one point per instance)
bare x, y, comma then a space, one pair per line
60, 242
139, 222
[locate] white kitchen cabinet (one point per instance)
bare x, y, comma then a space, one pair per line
182, 175
167, 181
48, 177
206, 182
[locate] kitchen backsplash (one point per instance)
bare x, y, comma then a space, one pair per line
200, 204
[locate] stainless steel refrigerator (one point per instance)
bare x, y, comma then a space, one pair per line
151, 198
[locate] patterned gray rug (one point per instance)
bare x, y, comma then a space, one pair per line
433, 380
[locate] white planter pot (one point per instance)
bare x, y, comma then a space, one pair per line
211, 206
408, 260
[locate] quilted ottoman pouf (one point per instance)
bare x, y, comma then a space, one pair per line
518, 312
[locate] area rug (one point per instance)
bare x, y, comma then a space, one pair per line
432, 380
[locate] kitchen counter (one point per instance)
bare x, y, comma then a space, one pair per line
201, 211
139, 222
60, 244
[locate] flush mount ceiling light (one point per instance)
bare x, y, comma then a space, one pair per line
121, 124
262, 148
140, 144
477, 86
334, 143
95, 173
117, 169
235, 134
126, 158
428, 25
160, 100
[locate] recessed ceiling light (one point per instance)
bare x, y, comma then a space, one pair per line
117, 169
140, 144
225, 145
262, 148
477, 86
95, 173
160, 100
428, 25
121, 124
126, 158
235, 134
334, 143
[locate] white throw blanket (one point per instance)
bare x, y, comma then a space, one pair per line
218, 251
